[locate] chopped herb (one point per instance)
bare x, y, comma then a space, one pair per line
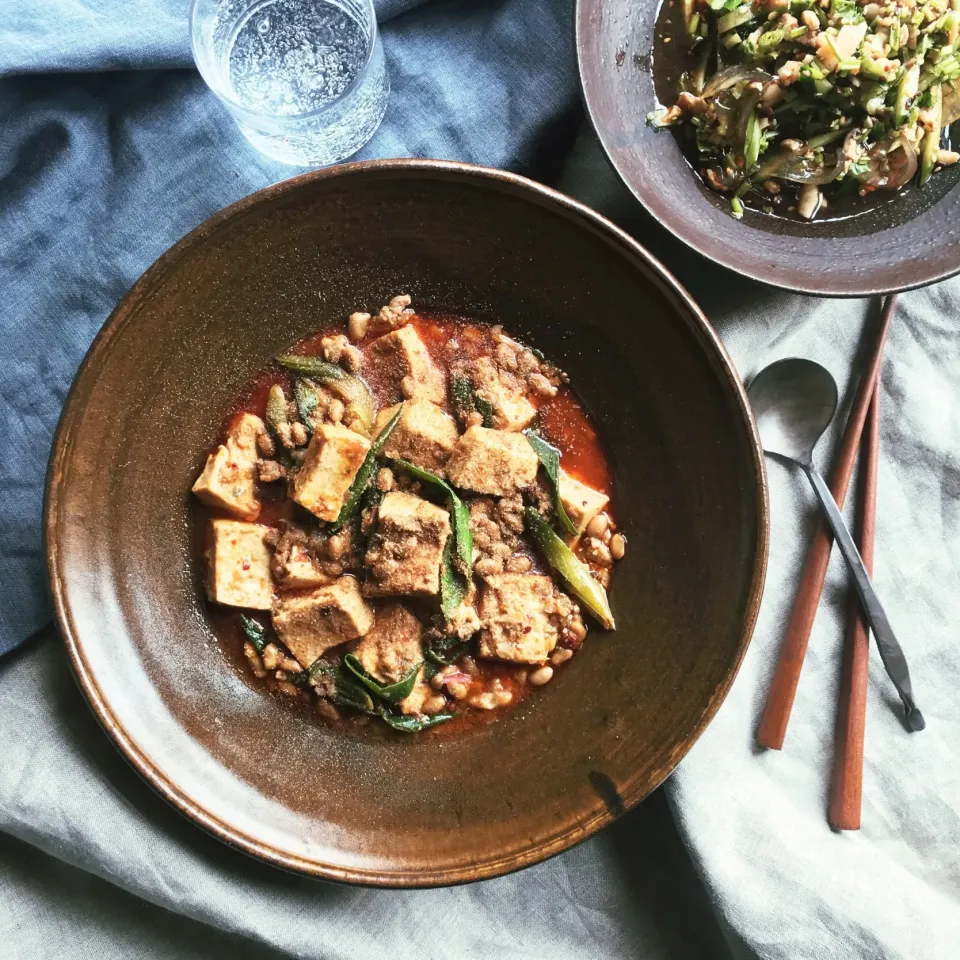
255, 632
549, 456
466, 400
308, 399
442, 651
348, 692
485, 409
412, 724
352, 390
365, 474
454, 583
390, 692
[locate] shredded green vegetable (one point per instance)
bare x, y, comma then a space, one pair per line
789, 104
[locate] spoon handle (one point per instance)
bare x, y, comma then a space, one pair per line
890, 652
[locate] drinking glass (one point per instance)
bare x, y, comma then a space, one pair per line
305, 80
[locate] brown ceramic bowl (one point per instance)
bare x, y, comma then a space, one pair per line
909, 240
405, 810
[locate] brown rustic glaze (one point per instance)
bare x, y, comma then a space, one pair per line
422, 810
909, 241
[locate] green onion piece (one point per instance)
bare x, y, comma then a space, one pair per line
769, 41
308, 399
391, 692
352, 390
457, 559
411, 724
454, 583
549, 456
736, 19
255, 632
347, 691
797, 32
277, 414
466, 400
461, 393
736, 207
458, 509
828, 137
573, 571
751, 147
485, 409
365, 474
931, 140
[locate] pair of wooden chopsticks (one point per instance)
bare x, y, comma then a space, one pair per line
846, 787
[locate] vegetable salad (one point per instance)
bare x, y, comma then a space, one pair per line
794, 103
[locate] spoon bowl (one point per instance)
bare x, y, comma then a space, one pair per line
793, 402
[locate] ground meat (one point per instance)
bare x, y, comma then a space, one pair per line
298, 433
506, 378
395, 314
497, 525
540, 496
265, 445
357, 325
270, 471
338, 349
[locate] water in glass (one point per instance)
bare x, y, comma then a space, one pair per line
305, 79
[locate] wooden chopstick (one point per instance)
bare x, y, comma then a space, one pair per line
783, 689
846, 787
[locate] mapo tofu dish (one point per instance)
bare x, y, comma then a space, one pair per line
408, 519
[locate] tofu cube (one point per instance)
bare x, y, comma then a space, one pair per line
516, 615
331, 462
311, 623
512, 411
407, 546
424, 434
238, 565
582, 503
407, 366
229, 479
492, 461
392, 647
295, 569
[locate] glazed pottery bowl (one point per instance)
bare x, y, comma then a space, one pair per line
909, 240
405, 810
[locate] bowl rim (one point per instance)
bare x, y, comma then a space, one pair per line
61, 450
580, 14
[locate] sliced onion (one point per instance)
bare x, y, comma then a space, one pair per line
731, 76
799, 169
455, 678
893, 164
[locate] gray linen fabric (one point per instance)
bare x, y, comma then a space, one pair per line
98, 175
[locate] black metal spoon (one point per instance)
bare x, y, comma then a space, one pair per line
793, 402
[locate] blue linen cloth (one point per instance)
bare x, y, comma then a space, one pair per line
111, 149
100, 172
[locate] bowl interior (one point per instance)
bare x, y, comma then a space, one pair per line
147, 405
910, 240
